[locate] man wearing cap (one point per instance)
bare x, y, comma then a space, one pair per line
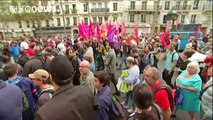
68, 101
33, 64
41, 79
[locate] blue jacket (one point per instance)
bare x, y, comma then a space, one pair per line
11, 102
105, 101
15, 50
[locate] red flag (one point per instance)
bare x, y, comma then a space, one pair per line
136, 32
165, 38
123, 30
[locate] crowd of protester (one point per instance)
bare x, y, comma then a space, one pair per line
64, 78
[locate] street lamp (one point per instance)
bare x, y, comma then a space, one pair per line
172, 15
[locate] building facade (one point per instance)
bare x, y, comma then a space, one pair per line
150, 15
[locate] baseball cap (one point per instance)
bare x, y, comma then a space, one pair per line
39, 74
31, 52
61, 68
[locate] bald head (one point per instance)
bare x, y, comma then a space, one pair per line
155, 73
84, 67
151, 75
85, 63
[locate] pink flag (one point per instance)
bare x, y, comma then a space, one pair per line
123, 30
91, 29
116, 23
111, 34
109, 27
197, 30
98, 32
177, 24
136, 32
81, 31
113, 37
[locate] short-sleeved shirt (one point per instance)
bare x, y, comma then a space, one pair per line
169, 58
161, 97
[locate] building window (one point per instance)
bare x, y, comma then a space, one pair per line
67, 10
99, 5
68, 21
196, 3
93, 5
86, 21
167, 5
100, 20
132, 18
106, 5
183, 19
57, 9
33, 24
143, 18
94, 20
47, 23
115, 18
58, 22
115, 6
193, 19
74, 21
28, 24
184, 5
132, 5
164, 19
144, 3
19, 24
73, 6
85, 7
177, 5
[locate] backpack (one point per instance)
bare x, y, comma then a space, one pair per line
46, 91
30, 92
117, 111
160, 112
173, 56
169, 92
155, 60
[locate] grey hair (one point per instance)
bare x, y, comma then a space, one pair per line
155, 72
195, 65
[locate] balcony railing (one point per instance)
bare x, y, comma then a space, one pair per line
74, 10
144, 8
207, 6
181, 7
100, 10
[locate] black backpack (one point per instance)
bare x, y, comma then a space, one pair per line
169, 92
46, 91
160, 112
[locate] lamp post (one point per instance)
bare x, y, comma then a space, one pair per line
172, 15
